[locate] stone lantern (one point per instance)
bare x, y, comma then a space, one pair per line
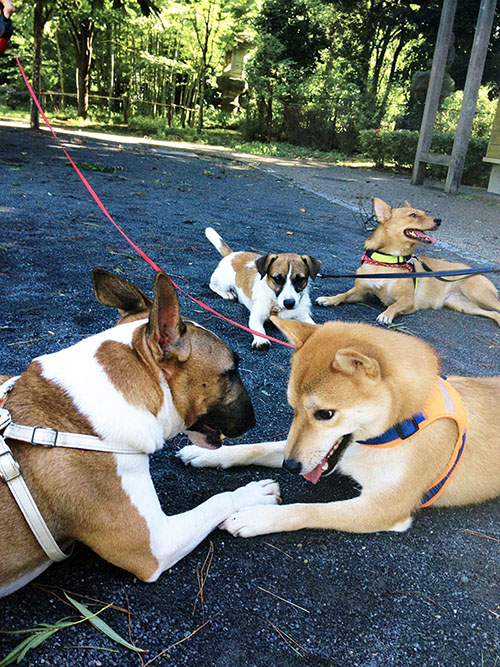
232, 82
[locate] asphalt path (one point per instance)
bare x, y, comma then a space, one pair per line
430, 596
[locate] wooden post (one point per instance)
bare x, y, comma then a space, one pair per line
434, 88
472, 83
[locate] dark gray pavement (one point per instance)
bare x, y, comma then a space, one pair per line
430, 596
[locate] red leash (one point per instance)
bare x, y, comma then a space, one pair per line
134, 246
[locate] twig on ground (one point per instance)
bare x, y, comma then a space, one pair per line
201, 577
478, 534
93, 601
426, 597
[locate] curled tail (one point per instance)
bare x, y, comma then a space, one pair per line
216, 240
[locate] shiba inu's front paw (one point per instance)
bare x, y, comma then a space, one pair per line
251, 521
326, 301
263, 492
261, 344
200, 457
384, 319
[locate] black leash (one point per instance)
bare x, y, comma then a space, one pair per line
428, 273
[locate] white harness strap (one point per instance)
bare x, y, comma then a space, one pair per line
10, 471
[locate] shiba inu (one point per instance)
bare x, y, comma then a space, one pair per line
371, 404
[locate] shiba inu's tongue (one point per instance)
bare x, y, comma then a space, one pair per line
315, 474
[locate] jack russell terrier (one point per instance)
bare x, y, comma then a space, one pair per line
265, 284
118, 394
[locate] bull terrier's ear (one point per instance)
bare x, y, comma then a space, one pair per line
314, 265
165, 328
112, 290
263, 263
349, 361
382, 210
407, 204
296, 332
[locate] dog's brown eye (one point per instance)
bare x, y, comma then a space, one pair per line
412, 215
324, 415
278, 278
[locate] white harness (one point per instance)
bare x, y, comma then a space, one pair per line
10, 470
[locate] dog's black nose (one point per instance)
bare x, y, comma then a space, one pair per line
437, 221
289, 303
292, 466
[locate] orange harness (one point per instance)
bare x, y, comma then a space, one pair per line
443, 403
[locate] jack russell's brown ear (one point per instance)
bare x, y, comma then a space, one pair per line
165, 327
382, 210
112, 290
348, 361
313, 265
296, 332
407, 204
263, 263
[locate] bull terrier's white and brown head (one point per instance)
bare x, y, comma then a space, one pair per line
201, 370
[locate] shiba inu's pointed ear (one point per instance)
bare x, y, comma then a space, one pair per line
348, 361
407, 204
112, 290
296, 332
165, 328
382, 210
313, 265
263, 263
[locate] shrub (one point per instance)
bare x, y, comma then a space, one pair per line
398, 148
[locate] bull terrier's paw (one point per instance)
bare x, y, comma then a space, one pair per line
199, 457
251, 521
261, 344
263, 492
384, 319
326, 301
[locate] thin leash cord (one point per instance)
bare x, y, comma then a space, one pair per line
464, 273
134, 246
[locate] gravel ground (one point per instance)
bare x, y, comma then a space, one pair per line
430, 596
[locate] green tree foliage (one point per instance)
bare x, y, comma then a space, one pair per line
321, 70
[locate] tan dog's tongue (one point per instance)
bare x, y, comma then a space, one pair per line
315, 474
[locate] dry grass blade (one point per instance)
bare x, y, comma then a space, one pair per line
283, 599
181, 641
278, 549
89, 600
290, 641
478, 534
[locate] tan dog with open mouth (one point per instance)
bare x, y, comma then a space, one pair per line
390, 249
118, 394
265, 284
371, 404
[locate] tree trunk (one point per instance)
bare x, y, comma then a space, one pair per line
201, 92
60, 70
38, 26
